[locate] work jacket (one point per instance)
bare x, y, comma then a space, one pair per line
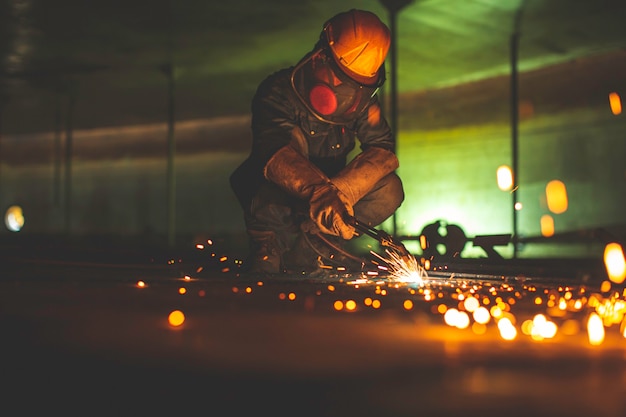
277, 110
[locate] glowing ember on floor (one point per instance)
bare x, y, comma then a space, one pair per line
510, 306
176, 318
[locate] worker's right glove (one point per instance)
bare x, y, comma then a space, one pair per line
294, 173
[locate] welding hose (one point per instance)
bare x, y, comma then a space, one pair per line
309, 229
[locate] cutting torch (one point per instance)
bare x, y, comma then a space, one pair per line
384, 238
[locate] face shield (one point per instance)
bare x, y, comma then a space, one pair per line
327, 92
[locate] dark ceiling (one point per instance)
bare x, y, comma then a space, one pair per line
113, 56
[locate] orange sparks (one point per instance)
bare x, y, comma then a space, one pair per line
403, 268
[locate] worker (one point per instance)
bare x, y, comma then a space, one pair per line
297, 188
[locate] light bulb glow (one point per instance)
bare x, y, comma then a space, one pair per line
504, 176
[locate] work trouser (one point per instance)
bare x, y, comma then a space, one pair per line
273, 210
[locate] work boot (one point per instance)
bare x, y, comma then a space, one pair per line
302, 257
265, 253
311, 253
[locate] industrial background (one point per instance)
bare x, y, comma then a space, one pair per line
124, 119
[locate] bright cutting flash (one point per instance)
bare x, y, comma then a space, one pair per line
403, 268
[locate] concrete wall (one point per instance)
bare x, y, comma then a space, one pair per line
450, 143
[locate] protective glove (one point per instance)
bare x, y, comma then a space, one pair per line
330, 209
364, 171
295, 174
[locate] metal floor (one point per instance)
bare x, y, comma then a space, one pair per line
82, 336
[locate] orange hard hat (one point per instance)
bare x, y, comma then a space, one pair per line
359, 42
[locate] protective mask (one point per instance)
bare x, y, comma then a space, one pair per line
328, 92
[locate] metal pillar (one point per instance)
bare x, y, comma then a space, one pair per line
171, 153
394, 7
56, 177
514, 51
1, 130
68, 162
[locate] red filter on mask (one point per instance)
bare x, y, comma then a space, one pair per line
329, 93
323, 99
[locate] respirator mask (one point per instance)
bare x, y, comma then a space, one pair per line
328, 92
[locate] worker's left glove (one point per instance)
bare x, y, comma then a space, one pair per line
364, 171
295, 174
